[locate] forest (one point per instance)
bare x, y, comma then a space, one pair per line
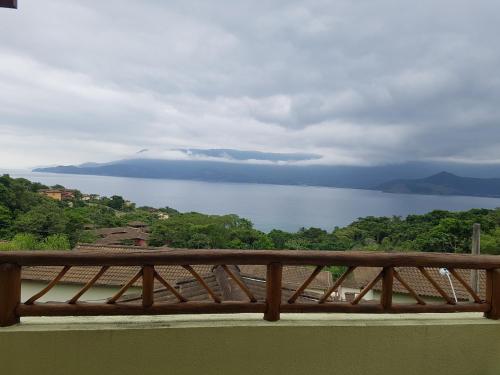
32, 221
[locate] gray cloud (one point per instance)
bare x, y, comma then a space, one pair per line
359, 82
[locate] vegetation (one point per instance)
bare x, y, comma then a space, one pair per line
29, 220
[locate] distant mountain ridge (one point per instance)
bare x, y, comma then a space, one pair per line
444, 183
407, 177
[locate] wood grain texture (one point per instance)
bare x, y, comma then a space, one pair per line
493, 294
254, 257
273, 292
148, 278
45, 290
387, 284
10, 294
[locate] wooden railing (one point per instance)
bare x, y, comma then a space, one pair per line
11, 263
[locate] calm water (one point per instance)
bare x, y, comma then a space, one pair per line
268, 206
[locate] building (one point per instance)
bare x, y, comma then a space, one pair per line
58, 194
361, 276
254, 277
136, 233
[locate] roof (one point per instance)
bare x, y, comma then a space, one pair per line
361, 276
224, 287
115, 235
137, 223
293, 277
56, 191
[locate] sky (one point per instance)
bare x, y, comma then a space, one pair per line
358, 82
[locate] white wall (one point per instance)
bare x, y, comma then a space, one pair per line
64, 292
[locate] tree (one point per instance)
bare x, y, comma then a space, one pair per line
42, 221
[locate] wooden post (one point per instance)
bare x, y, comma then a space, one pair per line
387, 283
10, 294
148, 277
493, 293
273, 292
476, 250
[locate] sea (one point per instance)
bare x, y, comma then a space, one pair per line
267, 206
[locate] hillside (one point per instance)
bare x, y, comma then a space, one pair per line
445, 183
31, 220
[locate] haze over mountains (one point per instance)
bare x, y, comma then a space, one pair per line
445, 183
226, 165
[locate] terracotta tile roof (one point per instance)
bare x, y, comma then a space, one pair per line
414, 278
225, 288
110, 236
114, 276
293, 277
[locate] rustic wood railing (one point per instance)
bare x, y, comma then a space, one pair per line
11, 263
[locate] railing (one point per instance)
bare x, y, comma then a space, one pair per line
11, 263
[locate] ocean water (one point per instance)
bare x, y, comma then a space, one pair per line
267, 206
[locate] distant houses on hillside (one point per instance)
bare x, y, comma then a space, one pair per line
58, 194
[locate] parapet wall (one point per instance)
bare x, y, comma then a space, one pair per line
244, 344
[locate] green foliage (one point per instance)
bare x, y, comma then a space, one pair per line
29, 220
55, 242
28, 241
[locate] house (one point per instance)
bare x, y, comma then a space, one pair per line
136, 234
226, 288
58, 194
361, 276
35, 278
138, 224
90, 197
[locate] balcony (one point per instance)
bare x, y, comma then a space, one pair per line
304, 329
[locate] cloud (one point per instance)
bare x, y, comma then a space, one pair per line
365, 82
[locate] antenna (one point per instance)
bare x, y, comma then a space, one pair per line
445, 272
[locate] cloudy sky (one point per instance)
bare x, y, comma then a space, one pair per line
358, 82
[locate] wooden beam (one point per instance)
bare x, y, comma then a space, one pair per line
273, 292
170, 287
493, 294
410, 290
148, 279
387, 284
436, 286
337, 284
202, 282
367, 288
124, 288
254, 257
82, 291
467, 287
45, 290
306, 283
476, 250
10, 294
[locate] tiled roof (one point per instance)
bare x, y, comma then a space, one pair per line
293, 277
114, 276
111, 235
361, 276
192, 290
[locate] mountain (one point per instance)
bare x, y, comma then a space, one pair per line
444, 183
230, 154
363, 177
